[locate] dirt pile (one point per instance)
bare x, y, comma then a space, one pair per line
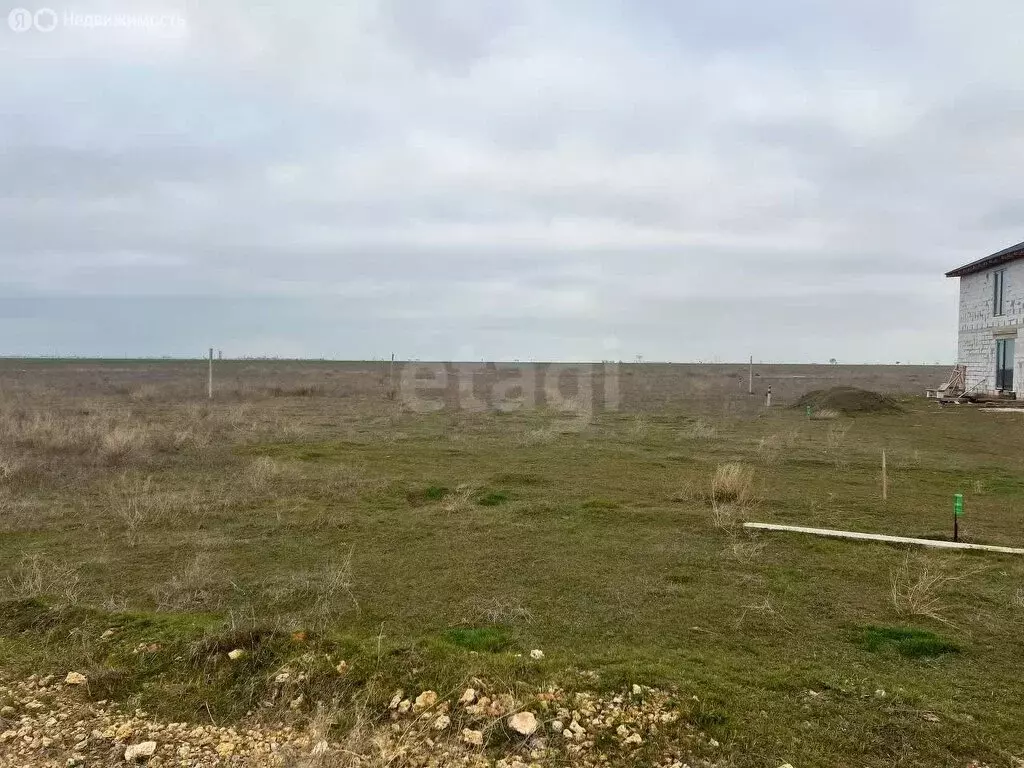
849, 401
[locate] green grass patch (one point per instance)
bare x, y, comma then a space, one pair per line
480, 639
493, 499
906, 641
429, 495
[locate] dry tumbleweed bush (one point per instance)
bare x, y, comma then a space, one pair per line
916, 585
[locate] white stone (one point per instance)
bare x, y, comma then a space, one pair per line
468, 697
425, 700
75, 678
235, 655
473, 738
142, 751
523, 723
441, 723
536, 654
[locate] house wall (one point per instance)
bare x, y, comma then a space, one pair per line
979, 328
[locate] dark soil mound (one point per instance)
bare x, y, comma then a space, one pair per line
849, 401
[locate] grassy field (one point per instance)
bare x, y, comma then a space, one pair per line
428, 546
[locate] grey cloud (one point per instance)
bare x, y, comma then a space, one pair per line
449, 174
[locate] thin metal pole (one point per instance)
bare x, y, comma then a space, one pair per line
750, 388
210, 380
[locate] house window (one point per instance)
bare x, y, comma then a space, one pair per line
1004, 363
998, 291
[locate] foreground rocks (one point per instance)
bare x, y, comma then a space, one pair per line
49, 723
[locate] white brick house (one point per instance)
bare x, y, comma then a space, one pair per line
991, 316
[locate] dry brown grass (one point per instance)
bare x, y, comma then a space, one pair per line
195, 588
539, 436
769, 449
836, 444
1017, 600
918, 583
703, 430
262, 472
36, 576
505, 611
461, 500
133, 502
745, 550
10, 466
824, 414
733, 483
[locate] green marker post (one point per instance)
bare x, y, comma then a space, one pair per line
958, 512
808, 412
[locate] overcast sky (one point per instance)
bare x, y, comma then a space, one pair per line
532, 179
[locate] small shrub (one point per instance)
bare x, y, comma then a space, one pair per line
916, 586
906, 641
460, 500
134, 502
733, 483
261, 472
37, 576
